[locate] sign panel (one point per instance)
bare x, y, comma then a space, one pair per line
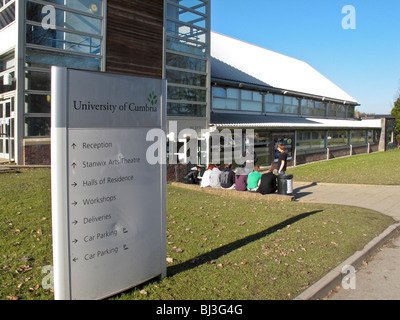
108, 201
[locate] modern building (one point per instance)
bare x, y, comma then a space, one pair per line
214, 82
284, 100
157, 38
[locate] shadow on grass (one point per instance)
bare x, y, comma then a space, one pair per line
221, 251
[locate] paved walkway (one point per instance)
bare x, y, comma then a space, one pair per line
380, 278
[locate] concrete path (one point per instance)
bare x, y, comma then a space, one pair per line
384, 199
379, 278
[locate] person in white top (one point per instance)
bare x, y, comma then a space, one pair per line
214, 177
205, 180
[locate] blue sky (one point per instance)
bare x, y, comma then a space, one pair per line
364, 62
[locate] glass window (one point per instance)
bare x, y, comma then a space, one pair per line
7, 15
192, 79
358, 137
309, 140
278, 98
37, 103
197, 5
7, 87
269, 98
37, 81
195, 18
184, 62
190, 33
188, 94
250, 106
36, 57
227, 104
336, 110
251, 95
273, 103
307, 107
340, 111
225, 98
65, 19
232, 93
185, 109
338, 138
331, 109
351, 112
7, 62
35, 127
303, 141
373, 136
320, 108
262, 141
62, 40
247, 95
187, 35
219, 92
182, 45
88, 6
251, 101
291, 105
318, 139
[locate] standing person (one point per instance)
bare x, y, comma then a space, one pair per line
214, 177
268, 183
254, 179
282, 160
205, 181
227, 177
192, 176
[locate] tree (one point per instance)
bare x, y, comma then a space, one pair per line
396, 113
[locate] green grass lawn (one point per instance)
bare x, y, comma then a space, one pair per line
218, 247
382, 168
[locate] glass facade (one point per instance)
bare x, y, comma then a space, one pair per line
309, 140
7, 12
58, 32
338, 138
358, 137
186, 56
225, 98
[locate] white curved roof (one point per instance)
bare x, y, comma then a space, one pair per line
239, 61
233, 120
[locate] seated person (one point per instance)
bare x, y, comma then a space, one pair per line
254, 179
268, 183
227, 177
205, 181
214, 177
241, 182
192, 176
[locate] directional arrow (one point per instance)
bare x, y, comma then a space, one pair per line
74, 203
73, 146
75, 222
75, 241
74, 184
75, 259
74, 165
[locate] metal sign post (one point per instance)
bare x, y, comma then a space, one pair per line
108, 202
